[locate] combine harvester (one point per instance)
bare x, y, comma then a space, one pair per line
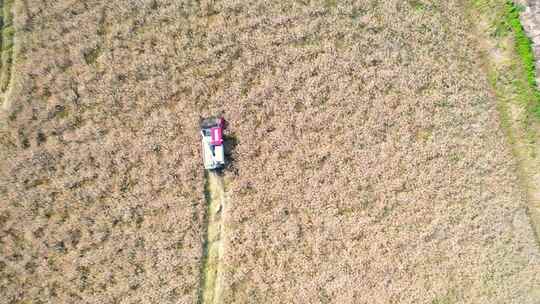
213, 160
212, 143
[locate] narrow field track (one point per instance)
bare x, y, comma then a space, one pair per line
211, 286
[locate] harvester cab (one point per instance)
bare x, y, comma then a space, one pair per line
212, 143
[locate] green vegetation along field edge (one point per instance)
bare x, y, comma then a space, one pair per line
8, 32
510, 66
523, 43
523, 47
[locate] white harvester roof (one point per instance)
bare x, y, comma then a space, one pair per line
212, 144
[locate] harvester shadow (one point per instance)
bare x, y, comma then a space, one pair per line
230, 141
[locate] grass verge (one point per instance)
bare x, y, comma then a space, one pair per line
523, 47
510, 66
8, 32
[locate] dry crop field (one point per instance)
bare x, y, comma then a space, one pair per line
369, 164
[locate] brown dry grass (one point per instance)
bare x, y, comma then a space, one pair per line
370, 166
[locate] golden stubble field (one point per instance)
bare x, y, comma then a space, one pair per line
368, 165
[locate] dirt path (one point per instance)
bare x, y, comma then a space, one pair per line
213, 247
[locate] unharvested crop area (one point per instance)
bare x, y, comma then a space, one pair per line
369, 165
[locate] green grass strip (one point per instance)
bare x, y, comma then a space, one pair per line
523, 45
7, 33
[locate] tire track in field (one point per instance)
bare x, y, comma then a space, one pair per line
211, 287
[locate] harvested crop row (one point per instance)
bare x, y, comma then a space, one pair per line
211, 286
